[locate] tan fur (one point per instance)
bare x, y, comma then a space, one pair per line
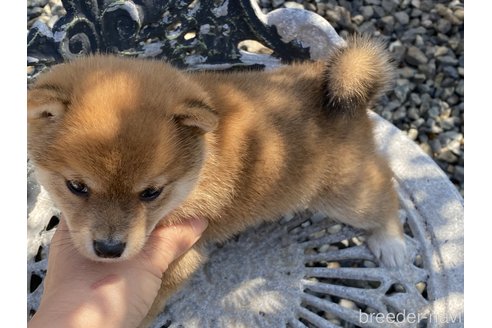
235, 148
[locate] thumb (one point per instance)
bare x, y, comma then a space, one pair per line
167, 243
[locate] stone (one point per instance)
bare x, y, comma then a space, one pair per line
423, 137
459, 13
433, 111
446, 93
34, 12
413, 113
419, 78
415, 56
459, 173
448, 136
416, 12
415, 99
388, 23
366, 11
51, 22
367, 27
293, 4
398, 50
435, 145
427, 5
425, 99
333, 16
402, 90
410, 34
392, 105
321, 8
379, 12
47, 10
440, 51
418, 122
404, 72
413, 133
460, 88
448, 123
456, 44
443, 26
348, 4
402, 17
389, 5
433, 127
399, 114
58, 10
442, 38
451, 71
427, 23
419, 41
425, 89
455, 147
37, 3
386, 114
430, 69
358, 19
447, 156
447, 81
310, 7
334, 229
453, 100
348, 304
426, 149
277, 3
446, 112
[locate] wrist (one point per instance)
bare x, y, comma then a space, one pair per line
102, 307
83, 316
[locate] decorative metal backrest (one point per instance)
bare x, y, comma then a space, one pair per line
187, 33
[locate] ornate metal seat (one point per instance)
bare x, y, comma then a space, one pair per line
306, 270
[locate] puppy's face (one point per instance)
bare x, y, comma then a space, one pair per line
118, 144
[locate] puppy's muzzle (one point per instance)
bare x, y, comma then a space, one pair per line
108, 248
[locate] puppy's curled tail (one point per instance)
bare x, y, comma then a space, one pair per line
356, 74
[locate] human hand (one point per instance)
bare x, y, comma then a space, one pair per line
79, 292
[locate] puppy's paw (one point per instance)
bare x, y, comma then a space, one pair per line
390, 250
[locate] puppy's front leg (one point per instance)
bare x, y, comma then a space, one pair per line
178, 272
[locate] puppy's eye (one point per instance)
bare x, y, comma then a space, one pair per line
77, 187
150, 194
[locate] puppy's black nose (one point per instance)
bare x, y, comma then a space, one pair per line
108, 249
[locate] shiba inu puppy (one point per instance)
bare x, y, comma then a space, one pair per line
122, 145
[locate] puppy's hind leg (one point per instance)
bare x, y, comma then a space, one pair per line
369, 203
359, 189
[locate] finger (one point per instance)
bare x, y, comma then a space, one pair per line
167, 243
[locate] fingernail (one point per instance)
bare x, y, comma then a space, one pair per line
199, 225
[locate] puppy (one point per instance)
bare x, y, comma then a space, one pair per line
122, 145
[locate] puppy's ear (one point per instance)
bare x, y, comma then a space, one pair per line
46, 102
197, 113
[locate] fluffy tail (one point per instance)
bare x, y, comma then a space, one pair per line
356, 75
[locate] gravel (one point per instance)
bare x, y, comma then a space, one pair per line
426, 40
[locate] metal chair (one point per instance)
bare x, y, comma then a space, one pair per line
306, 270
